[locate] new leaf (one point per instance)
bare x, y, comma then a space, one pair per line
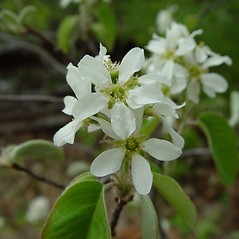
79, 212
223, 145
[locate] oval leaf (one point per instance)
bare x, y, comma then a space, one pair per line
65, 36
79, 212
37, 149
105, 28
223, 145
149, 218
175, 195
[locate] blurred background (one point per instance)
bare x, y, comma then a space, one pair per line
38, 40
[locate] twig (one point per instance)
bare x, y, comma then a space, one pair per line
197, 152
58, 53
35, 98
11, 43
210, 6
116, 214
37, 177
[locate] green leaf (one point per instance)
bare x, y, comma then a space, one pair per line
149, 218
25, 13
223, 145
79, 212
65, 36
9, 21
37, 149
154, 167
175, 195
105, 29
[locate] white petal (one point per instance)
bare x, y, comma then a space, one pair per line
106, 127
67, 133
102, 54
150, 79
234, 108
217, 60
69, 102
141, 174
94, 71
164, 109
93, 127
122, 120
196, 32
143, 95
138, 113
73, 75
65, 3
200, 54
214, 81
177, 139
75, 80
89, 105
167, 72
131, 63
157, 46
107, 162
178, 85
172, 104
185, 46
193, 91
161, 149
209, 91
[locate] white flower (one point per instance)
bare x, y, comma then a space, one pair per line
182, 64
131, 147
197, 64
167, 53
81, 88
116, 88
37, 209
234, 105
164, 18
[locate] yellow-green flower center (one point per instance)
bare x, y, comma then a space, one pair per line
132, 144
195, 71
169, 55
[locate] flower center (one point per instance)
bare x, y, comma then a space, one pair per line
132, 144
118, 94
169, 55
195, 71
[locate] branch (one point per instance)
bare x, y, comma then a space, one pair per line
197, 152
209, 7
58, 53
37, 177
116, 213
11, 43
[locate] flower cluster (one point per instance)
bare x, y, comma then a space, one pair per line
121, 98
183, 65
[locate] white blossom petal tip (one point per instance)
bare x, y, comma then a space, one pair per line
123, 120
161, 149
131, 63
141, 174
107, 162
66, 134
